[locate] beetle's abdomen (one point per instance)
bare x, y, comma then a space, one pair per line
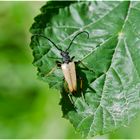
70, 75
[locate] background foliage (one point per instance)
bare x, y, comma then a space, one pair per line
28, 108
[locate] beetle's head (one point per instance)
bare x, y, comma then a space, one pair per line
64, 53
65, 56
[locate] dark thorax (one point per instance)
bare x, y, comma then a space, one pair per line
65, 57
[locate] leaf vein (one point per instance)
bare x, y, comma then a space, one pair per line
80, 123
130, 56
118, 77
73, 27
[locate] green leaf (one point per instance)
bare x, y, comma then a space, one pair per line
109, 61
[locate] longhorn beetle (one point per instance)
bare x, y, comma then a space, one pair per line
67, 65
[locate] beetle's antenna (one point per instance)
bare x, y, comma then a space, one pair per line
76, 36
49, 40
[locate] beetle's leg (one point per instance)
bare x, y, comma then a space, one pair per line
72, 58
67, 90
71, 100
58, 63
81, 83
81, 87
80, 62
51, 71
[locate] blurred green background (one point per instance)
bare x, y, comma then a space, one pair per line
28, 108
